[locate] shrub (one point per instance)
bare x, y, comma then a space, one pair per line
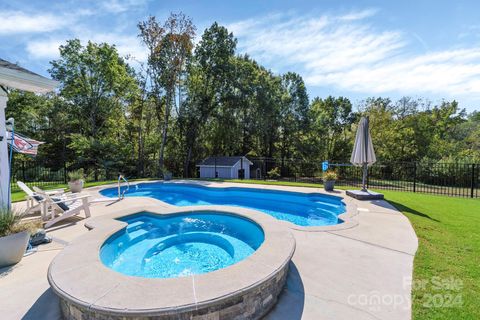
274, 173
11, 222
330, 176
76, 175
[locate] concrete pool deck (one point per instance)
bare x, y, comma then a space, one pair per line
363, 272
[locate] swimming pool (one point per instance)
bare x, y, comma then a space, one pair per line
153, 246
303, 209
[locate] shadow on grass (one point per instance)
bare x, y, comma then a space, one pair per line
292, 299
406, 209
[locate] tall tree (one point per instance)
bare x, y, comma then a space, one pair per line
170, 45
294, 115
332, 119
208, 82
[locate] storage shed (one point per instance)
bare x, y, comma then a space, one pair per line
236, 167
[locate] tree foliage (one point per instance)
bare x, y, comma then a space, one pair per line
191, 101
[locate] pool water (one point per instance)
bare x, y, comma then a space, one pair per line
153, 246
303, 209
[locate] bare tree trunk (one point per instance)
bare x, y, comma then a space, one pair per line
162, 146
141, 160
187, 161
164, 133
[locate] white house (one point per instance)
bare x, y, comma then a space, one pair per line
14, 77
225, 167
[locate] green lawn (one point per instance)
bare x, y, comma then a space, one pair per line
447, 263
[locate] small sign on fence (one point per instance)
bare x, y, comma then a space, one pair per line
324, 166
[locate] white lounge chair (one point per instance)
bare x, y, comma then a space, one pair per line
35, 200
65, 207
55, 192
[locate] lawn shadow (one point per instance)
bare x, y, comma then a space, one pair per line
292, 299
46, 307
406, 209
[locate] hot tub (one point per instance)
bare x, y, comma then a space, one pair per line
154, 246
149, 262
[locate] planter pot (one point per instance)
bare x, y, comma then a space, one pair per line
328, 185
76, 186
167, 176
12, 248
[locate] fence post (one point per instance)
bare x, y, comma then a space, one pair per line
367, 182
472, 184
264, 169
415, 176
64, 173
23, 171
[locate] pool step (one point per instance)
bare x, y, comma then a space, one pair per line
135, 226
133, 235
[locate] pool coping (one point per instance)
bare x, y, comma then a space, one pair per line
351, 209
78, 276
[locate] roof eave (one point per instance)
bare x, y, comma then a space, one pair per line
16, 79
212, 165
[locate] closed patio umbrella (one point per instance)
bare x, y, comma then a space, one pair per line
363, 154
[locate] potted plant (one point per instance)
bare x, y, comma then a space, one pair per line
76, 180
329, 178
14, 236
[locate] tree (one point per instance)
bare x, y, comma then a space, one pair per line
97, 84
294, 116
191, 101
170, 46
332, 119
207, 84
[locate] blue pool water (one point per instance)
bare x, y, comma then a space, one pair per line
303, 209
152, 246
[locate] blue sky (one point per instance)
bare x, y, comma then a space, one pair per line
356, 49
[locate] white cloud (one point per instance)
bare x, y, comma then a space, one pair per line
14, 22
358, 15
44, 49
120, 6
348, 53
43, 33
126, 45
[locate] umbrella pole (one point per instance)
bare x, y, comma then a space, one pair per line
365, 164
364, 177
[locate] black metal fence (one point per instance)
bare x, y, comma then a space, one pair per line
35, 173
452, 179
40, 174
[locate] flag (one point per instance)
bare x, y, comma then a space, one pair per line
22, 144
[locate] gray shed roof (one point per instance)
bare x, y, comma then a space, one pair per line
222, 161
